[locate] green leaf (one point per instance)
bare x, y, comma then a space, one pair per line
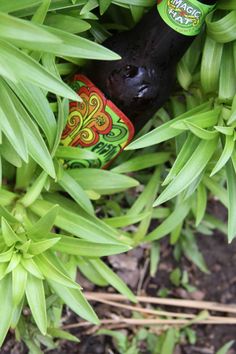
202, 133
169, 342
113, 279
9, 154
103, 5
59, 333
149, 191
41, 12
231, 189
44, 225
35, 190
102, 181
183, 75
152, 187
216, 189
8, 216
42, 246
13, 28
170, 223
75, 246
201, 203
37, 105
71, 46
27, 69
15, 5
15, 260
51, 272
175, 277
224, 29
10, 124
76, 301
67, 23
74, 153
6, 256
120, 338
184, 155
225, 348
3, 268
154, 258
36, 300
10, 237
31, 267
165, 131
191, 251
125, 220
72, 187
6, 307
227, 86
141, 162
84, 227
190, 171
225, 156
6, 197
19, 279
90, 272
210, 65
201, 120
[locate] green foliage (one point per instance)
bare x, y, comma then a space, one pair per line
54, 219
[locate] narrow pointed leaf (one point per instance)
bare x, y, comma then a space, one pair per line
77, 247
113, 279
166, 130
170, 223
32, 268
45, 223
190, 171
6, 307
53, 273
226, 154
15, 28
141, 162
79, 226
19, 279
90, 272
15, 260
36, 300
231, 189
102, 181
72, 187
27, 69
6, 256
76, 301
42, 246
10, 237
10, 123
38, 106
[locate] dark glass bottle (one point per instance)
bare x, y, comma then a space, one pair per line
143, 79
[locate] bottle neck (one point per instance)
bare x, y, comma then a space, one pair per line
170, 35
185, 16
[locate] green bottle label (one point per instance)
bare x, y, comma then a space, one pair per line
184, 16
95, 124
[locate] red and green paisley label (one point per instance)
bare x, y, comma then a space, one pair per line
95, 124
184, 16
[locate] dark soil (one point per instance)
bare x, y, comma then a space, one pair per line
219, 285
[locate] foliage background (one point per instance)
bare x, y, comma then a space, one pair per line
54, 220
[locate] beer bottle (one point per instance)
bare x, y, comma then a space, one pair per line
120, 96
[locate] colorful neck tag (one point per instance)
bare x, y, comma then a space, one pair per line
95, 124
184, 16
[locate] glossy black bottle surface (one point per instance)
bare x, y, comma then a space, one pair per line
143, 79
